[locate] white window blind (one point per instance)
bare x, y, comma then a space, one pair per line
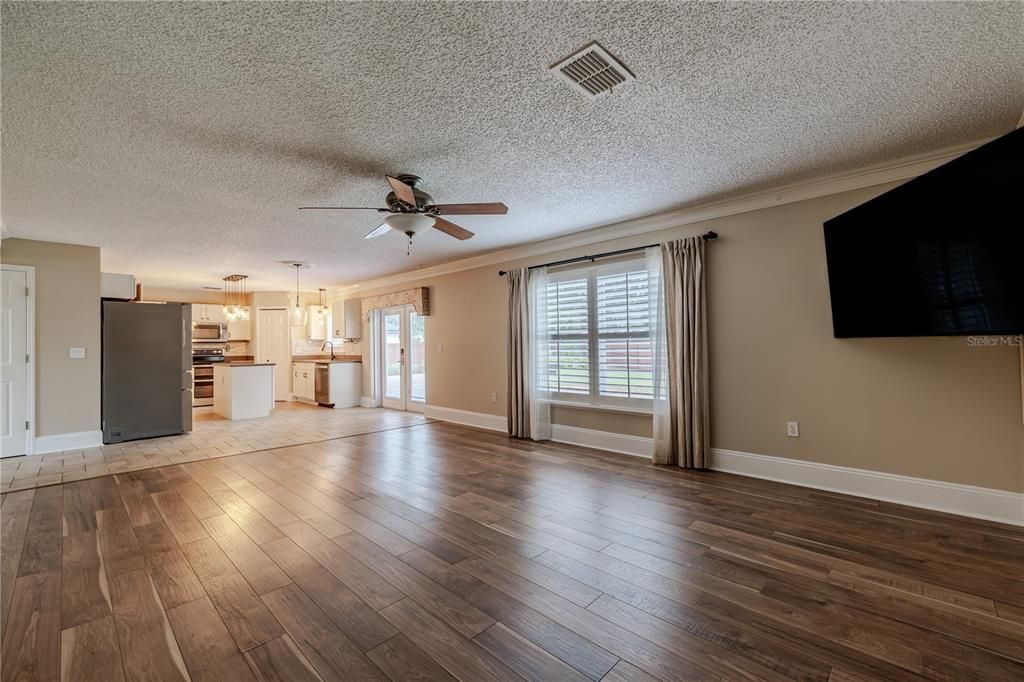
599, 336
623, 335
568, 317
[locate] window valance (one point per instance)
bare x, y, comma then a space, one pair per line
418, 298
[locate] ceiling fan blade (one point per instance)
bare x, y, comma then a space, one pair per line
402, 191
494, 208
341, 208
451, 228
377, 231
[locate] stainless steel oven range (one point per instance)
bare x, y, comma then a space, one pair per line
203, 360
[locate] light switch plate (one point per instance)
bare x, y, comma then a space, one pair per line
76, 353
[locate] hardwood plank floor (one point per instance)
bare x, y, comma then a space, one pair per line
435, 551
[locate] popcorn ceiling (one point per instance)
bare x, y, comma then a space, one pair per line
181, 137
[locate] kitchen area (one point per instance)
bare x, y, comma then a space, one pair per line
249, 351
322, 359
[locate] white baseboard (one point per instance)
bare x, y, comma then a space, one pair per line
603, 440
67, 441
365, 401
955, 498
492, 422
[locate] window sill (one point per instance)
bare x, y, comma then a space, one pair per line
621, 409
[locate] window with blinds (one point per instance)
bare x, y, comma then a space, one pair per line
599, 343
568, 352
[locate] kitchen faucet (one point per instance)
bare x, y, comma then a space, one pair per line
328, 343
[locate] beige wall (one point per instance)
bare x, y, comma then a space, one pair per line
67, 315
927, 407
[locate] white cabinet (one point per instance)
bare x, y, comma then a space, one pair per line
304, 381
243, 391
215, 313
318, 322
208, 313
115, 285
347, 319
239, 330
346, 384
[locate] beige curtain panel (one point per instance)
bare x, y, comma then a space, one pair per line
518, 353
685, 429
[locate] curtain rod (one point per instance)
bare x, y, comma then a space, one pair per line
707, 236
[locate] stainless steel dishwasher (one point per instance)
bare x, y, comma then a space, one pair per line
322, 385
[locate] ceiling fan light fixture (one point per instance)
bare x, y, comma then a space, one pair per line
409, 223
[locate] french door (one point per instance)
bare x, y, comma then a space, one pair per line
402, 359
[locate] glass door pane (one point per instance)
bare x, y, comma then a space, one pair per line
417, 358
393, 355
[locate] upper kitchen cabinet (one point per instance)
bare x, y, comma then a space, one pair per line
215, 313
208, 313
318, 322
347, 317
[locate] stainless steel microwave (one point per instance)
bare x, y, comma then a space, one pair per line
209, 332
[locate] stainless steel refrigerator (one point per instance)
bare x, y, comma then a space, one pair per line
147, 370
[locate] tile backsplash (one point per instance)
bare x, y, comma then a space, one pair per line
303, 346
238, 348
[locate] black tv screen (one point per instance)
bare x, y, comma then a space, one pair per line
942, 255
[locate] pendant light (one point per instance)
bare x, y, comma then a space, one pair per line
235, 307
322, 309
298, 314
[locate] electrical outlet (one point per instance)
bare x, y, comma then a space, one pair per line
76, 353
440, 348
494, 397
793, 429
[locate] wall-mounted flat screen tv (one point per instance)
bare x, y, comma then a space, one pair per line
942, 255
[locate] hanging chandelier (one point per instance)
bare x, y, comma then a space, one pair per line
235, 306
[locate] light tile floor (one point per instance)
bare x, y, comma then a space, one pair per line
212, 436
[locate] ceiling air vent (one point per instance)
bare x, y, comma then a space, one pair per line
592, 71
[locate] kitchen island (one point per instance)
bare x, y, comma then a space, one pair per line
243, 390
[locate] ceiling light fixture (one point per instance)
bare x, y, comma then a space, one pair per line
409, 224
235, 304
322, 309
298, 313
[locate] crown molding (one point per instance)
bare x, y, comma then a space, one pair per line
880, 174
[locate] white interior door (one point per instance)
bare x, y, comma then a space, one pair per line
273, 344
402, 356
14, 363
